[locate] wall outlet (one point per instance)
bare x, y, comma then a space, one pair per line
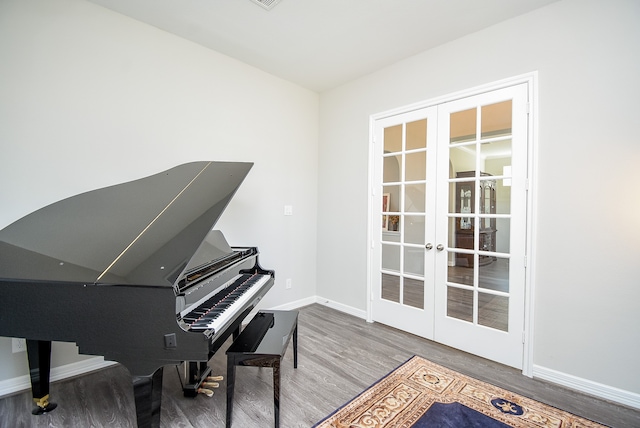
18, 345
288, 283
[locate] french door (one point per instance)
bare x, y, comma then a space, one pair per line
449, 236
403, 277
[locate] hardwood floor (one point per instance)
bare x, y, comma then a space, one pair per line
338, 357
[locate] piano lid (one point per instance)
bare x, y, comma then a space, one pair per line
143, 232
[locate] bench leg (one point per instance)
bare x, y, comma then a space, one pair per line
295, 347
276, 392
231, 379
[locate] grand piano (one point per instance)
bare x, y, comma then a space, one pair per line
135, 273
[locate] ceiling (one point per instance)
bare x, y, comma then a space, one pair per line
321, 44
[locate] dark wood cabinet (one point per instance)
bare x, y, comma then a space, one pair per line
465, 226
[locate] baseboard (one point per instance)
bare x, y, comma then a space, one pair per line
295, 305
587, 386
342, 308
322, 301
285, 307
23, 383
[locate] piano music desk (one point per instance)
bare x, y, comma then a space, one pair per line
267, 352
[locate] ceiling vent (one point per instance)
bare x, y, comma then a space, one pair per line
267, 4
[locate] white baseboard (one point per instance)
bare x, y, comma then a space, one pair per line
342, 308
325, 302
599, 390
22, 383
295, 305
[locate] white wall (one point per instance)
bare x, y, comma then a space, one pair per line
587, 292
90, 98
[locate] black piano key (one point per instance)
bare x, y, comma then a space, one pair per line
213, 315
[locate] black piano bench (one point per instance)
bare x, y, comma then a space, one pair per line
263, 343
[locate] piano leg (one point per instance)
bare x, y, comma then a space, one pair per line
147, 391
39, 355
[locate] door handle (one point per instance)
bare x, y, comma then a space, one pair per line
429, 246
440, 247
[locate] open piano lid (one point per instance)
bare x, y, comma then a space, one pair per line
143, 232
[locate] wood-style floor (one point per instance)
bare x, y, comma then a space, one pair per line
339, 356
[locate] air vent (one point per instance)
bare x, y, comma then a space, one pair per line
267, 4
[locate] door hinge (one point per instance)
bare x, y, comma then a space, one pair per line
524, 337
525, 261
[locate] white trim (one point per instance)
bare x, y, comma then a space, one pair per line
22, 383
588, 386
295, 305
359, 313
532, 203
370, 209
499, 84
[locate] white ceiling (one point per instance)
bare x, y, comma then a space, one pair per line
321, 44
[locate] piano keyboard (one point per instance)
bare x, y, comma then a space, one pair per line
214, 312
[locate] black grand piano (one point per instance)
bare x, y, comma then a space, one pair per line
135, 273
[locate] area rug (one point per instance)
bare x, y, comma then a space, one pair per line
421, 394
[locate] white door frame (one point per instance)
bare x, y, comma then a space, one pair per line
531, 79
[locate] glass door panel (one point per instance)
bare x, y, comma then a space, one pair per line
414, 229
493, 311
414, 260
495, 275
414, 293
460, 303
463, 126
390, 288
496, 119
391, 169
414, 198
416, 166
393, 139
417, 135
391, 257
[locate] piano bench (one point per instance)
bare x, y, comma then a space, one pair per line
263, 350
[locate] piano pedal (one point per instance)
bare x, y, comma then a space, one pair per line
207, 392
214, 378
211, 384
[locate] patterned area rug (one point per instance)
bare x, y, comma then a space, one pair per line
420, 393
